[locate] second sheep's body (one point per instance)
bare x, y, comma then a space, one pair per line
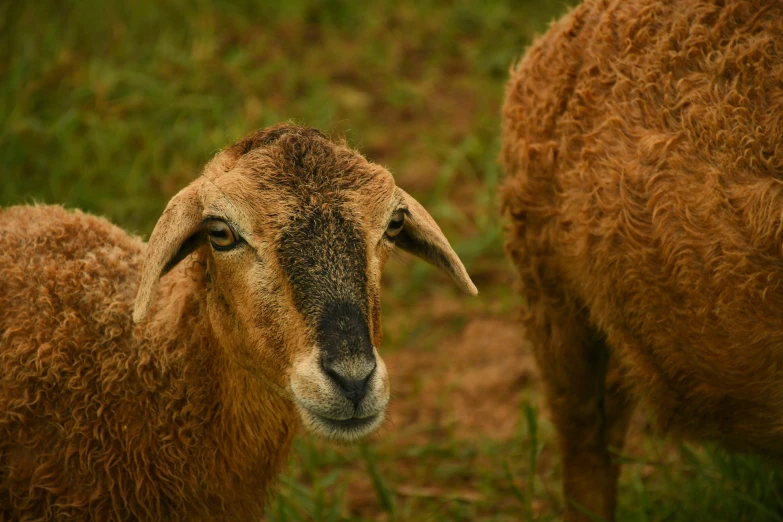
643, 142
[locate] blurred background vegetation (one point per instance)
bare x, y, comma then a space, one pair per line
114, 106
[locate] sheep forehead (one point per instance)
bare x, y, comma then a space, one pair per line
294, 172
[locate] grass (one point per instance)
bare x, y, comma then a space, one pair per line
112, 107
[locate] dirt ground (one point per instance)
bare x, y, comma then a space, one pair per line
474, 381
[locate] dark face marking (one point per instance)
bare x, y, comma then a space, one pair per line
324, 258
322, 249
342, 332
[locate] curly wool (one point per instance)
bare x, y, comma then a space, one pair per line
644, 146
107, 420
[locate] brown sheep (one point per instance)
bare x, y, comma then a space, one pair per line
275, 317
643, 146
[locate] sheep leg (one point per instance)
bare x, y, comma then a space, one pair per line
590, 410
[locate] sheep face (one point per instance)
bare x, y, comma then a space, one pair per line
295, 230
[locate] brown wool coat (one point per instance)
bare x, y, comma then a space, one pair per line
132, 414
643, 142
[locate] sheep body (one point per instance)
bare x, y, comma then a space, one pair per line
165, 381
644, 199
116, 420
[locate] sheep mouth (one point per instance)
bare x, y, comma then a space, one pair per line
349, 430
349, 424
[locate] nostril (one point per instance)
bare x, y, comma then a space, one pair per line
352, 389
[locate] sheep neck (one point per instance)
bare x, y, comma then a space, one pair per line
245, 425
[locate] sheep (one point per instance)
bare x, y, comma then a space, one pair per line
136, 385
643, 202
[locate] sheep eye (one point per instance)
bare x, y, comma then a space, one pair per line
395, 225
220, 235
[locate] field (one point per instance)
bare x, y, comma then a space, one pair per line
112, 107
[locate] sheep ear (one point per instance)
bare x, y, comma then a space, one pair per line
422, 237
177, 234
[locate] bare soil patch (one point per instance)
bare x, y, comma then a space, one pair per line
471, 383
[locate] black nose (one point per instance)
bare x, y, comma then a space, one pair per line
351, 388
346, 349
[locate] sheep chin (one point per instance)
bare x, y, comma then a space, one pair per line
346, 431
324, 409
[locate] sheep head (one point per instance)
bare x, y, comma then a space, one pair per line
295, 230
